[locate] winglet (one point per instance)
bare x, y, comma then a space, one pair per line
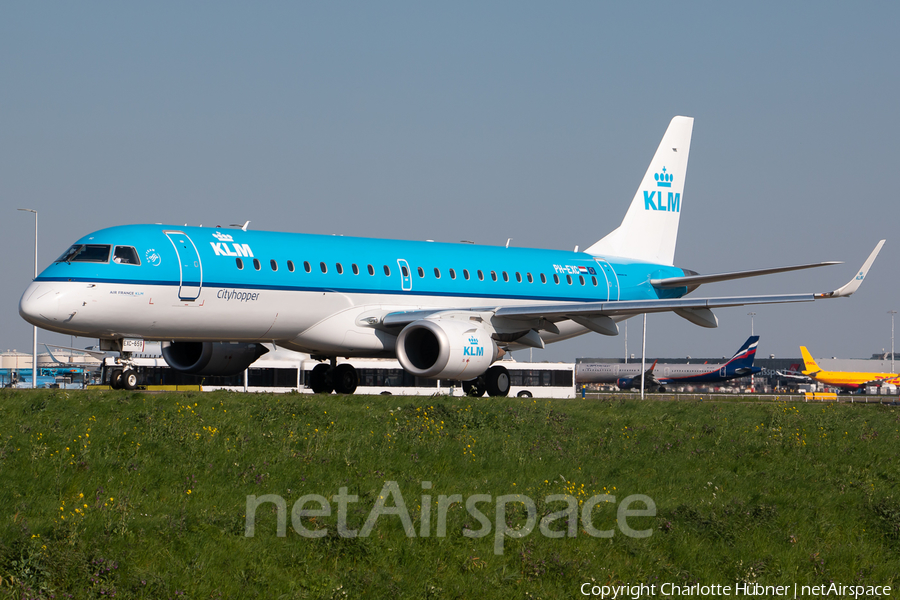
854, 283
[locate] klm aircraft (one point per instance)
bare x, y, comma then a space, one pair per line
215, 296
628, 376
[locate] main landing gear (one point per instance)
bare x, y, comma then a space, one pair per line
326, 378
495, 382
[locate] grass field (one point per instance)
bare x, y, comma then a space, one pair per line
135, 495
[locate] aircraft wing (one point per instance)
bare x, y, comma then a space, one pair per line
94, 353
599, 316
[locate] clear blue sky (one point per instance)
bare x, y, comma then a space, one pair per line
471, 120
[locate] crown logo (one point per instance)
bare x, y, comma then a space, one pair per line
663, 179
223, 237
473, 340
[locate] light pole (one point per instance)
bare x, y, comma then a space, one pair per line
34, 334
752, 314
892, 313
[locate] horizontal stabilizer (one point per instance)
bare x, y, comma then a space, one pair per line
695, 280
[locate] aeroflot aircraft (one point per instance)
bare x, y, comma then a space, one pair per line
446, 311
627, 376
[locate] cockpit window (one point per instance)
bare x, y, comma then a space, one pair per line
126, 255
86, 253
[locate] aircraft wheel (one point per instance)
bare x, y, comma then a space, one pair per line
345, 379
524, 394
129, 379
475, 387
497, 381
115, 379
320, 379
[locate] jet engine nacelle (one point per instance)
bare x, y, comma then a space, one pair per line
625, 383
446, 349
211, 358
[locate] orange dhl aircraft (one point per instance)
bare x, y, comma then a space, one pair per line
848, 380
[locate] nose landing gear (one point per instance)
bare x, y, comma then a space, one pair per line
120, 379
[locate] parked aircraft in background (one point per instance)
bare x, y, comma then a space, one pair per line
445, 311
628, 376
847, 380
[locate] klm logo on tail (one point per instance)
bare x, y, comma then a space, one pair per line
653, 200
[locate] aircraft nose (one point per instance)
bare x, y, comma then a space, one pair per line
39, 304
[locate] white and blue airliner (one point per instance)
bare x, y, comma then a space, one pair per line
216, 296
629, 375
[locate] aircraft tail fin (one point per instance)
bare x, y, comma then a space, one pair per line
810, 367
743, 358
650, 227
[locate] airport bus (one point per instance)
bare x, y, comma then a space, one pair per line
290, 372
527, 380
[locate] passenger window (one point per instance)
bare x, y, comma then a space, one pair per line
339, 268
480, 275
452, 274
505, 276
437, 273
387, 270
239, 263
324, 267
530, 278
256, 264
273, 264
581, 279
291, 266
556, 278
494, 275
518, 277
543, 278
371, 270
594, 280
306, 266
421, 272
466, 274
569, 279
404, 271
355, 269
126, 255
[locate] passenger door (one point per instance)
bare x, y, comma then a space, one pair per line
191, 271
612, 281
405, 275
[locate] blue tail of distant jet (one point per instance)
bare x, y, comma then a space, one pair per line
742, 361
